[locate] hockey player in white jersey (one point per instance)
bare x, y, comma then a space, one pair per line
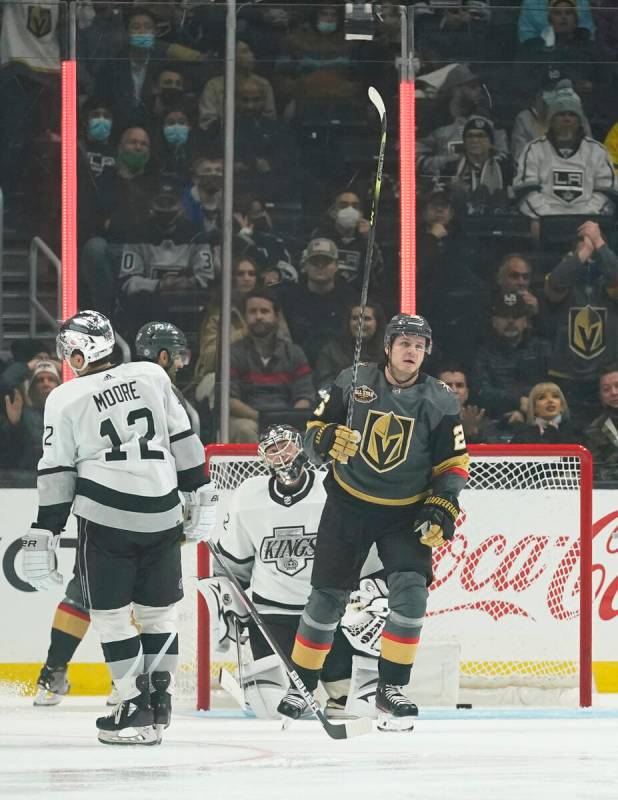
267, 538
117, 447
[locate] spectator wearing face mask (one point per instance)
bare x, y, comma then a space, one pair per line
123, 210
211, 99
169, 92
177, 144
96, 141
130, 77
345, 225
172, 262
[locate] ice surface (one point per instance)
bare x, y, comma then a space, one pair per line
455, 755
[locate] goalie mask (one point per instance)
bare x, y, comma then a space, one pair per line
281, 450
88, 332
156, 336
408, 325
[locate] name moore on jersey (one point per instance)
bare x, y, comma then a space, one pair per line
118, 445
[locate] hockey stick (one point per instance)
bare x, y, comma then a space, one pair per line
344, 730
377, 101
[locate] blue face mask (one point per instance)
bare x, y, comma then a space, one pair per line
176, 134
145, 41
99, 128
327, 27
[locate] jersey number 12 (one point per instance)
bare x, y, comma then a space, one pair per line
116, 454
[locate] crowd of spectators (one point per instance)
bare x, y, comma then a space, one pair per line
516, 165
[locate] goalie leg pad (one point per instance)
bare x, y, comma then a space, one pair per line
122, 647
264, 684
224, 607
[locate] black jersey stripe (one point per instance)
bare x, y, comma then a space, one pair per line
183, 435
53, 470
235, 559
191, 478
122, 501
263, 601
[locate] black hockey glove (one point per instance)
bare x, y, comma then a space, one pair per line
435, 522
336, 441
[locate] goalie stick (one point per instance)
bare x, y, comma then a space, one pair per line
377, 101
343, 730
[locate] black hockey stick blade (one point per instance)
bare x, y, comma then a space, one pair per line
343, 730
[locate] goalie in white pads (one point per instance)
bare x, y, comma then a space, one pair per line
268, 540
117, 447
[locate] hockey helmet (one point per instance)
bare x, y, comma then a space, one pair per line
156, 336
281, 449
88, 332
408, 325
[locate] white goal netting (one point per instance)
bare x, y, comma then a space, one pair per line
508, 591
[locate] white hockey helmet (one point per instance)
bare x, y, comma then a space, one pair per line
88, 332
281, 449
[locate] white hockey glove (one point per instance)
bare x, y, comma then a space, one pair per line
200, 513
225, 610
38, 559
368, 590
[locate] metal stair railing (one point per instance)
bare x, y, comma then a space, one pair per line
39, 247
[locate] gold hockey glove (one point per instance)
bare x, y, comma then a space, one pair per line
337, 441
435, 522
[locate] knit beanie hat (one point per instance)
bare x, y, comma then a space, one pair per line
563, 99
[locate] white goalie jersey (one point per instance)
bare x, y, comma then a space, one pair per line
268, 540
117, 444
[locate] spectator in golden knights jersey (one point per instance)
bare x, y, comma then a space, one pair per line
117, 446
583, 290
395, 484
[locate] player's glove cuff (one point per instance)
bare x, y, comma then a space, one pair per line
336, 442
435, 521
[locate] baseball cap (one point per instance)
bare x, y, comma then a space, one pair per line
509, 305
321, 247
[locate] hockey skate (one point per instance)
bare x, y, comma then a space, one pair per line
293, 705
335, 708
161, 701
132, 721
52, 685
395, 711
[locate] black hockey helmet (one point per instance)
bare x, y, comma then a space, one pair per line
408, 325
90, 332
281, 449
156, 336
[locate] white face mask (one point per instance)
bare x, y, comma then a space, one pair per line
348, 217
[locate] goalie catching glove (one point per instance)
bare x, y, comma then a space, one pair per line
435, 522
337, 441
200, 513
38, 559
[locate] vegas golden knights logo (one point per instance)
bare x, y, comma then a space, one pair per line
386, 440
587, 331
39, 21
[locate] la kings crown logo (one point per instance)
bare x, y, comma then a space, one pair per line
289, 549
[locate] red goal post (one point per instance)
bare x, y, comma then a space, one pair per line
514, 587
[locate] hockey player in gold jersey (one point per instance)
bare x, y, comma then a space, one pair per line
395, 477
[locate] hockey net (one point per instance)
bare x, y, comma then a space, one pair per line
512, 590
